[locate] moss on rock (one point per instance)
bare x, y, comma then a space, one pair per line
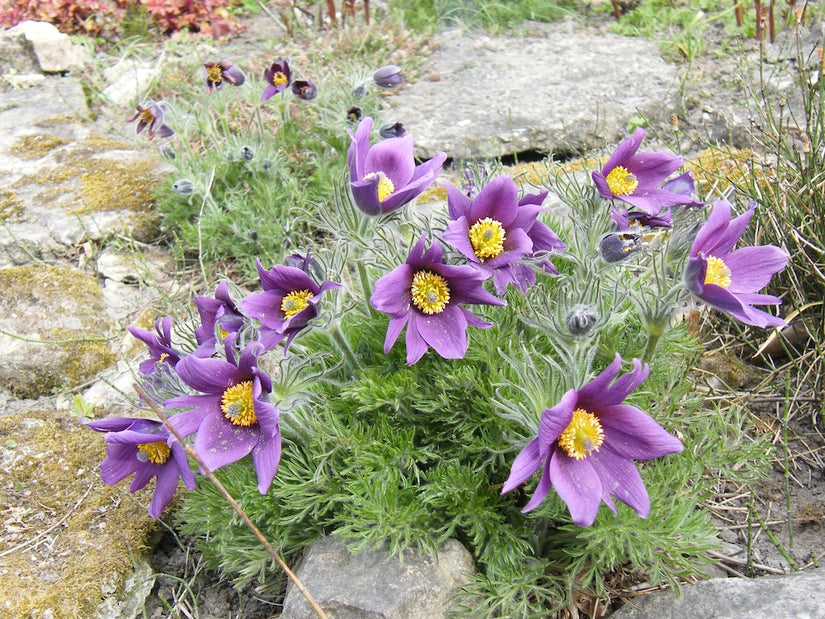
65, 531
35, 146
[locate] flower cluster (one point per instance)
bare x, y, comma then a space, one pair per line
492, 243
220, 384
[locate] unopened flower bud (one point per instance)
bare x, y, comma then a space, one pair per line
391, 130
247, 153
359, 91
388, 76
616, 246
580, 320
183, 186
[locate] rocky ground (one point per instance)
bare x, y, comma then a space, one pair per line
709, 96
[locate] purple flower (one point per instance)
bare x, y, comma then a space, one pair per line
147, 449
384, 177
304, 89
223, 71
729, 279
638, 220
278, 76
391, 130
635, 177
586, 444
388, 76
288, 302
150, 118
219, 317
683, 185
231, 415
160, 345
354, 114
425, 295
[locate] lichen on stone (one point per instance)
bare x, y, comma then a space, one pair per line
11, 209
36, 146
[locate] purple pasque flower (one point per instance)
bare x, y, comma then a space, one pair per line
384, 177
728, 279
230, 417
223, 71
278, 77
150, 117
495, 230
635, 177
288, 302
354, 114
391, 130
219, 317
147, 449
160, 346
425, 295
388, 76
638, 220
586, 444
304, 89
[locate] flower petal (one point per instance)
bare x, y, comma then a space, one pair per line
635, 435
751, 268
526, 464
541, 491
265, 457
445, 332
219, 442
578, 485
391, 293
620, 479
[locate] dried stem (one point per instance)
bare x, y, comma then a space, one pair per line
206, 471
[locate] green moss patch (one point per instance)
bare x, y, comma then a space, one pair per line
66, 533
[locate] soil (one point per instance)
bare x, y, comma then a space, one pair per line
792, 506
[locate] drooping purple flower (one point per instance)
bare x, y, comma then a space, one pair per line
729, 279
635, 178
354, 114
384, 177
586, 445
146, 449
426, 295
160, 346
150, 117
219, 317
223, 71
639, 220
278, 77
391, 130
287, 303
388, 76
231, 415
304, 89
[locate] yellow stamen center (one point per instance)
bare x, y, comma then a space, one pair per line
582, 436
237, 404
430, 292
279, 79
295, 302
717, 272
385, 185
214, 74
223, 333
146, 117
487, 237
156, 453
163, 357
621, 182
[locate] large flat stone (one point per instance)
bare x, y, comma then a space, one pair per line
559, 91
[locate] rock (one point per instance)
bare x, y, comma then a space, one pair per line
128, 81
563, 92
371, 584
39, 46
791, 596
53, 324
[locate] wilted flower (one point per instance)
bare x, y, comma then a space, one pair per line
388, 76
425, 295
384, 177
150, 118
278, 76
635, 177
219, 317
304, 89
231, 414
223, 71
145, 448
160, 345
183, 186
586, 444
287, 303
354, 114
729, 279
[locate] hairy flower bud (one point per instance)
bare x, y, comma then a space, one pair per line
580, 320
183, 186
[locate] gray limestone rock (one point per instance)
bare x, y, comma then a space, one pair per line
562, 91
373, 585
799, 595
38, 46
